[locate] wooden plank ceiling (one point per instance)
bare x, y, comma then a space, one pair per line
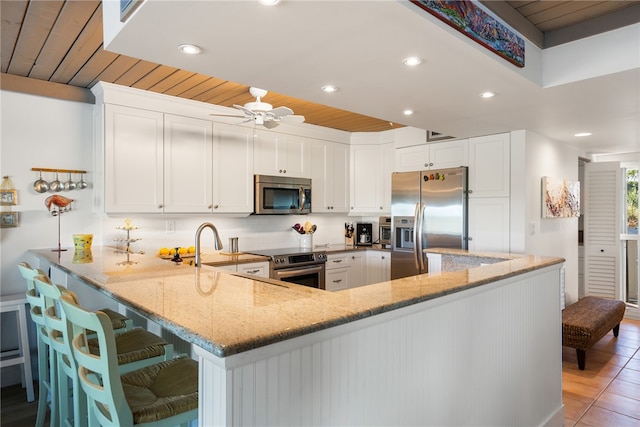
60, 41
554, 15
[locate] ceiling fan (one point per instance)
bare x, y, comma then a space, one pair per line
263, 113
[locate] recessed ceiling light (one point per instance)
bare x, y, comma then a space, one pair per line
329, 88
412, 61
190, 49
487, 94
269, 2
407, 112
581, 134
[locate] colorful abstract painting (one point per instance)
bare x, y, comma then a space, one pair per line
560, 198
468, 18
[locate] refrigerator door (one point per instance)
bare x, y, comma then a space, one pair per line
405, 197
444, 220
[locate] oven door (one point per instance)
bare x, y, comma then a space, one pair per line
309, 275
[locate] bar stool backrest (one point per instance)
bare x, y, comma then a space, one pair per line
35, 300
99, 375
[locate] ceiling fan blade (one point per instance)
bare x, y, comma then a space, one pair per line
293, 119
226, 115
270, 124
245, 110
280, 112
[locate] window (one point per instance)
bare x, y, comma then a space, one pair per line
632, 201
631, 278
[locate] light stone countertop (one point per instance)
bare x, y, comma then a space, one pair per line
227, 314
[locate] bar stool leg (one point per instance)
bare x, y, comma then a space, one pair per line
26, 354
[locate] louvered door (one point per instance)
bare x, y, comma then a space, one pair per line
602, 213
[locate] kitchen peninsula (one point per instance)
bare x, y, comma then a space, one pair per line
479, 346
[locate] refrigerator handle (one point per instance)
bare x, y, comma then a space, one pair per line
415, 236
420, 245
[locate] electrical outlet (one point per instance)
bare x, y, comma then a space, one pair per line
170, 226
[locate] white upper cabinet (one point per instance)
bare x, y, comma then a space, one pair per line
489, 166
329, 176
133, 174
232, 169
279, 154
370, 189
187, 164
440, 155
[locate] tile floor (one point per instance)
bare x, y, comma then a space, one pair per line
607, 392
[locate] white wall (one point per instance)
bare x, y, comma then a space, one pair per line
550, 236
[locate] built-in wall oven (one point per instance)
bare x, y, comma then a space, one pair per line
296, 266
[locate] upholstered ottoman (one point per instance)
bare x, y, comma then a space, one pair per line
587, 321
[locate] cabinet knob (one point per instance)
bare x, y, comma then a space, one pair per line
430, 164
469, 238
215, 206
380, 207
426, 165
383, 257
160, 206
280, 171
470, 191
210, 207
351, 207
337, 281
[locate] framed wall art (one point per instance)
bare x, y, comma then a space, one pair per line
8, 197
8, 219
560, 198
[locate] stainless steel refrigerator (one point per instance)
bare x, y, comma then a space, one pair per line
429, 210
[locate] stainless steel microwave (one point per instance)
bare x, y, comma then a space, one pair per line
279, 195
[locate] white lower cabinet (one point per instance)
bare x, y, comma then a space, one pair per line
260, 269
345, 270
336, 279
378, 266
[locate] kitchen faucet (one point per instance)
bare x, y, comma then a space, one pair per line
217, 242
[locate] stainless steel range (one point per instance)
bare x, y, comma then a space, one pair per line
295, 265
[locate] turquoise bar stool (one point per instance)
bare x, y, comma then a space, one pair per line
47, 370
164, 394
134, 348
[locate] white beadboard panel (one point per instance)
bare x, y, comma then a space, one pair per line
488, 356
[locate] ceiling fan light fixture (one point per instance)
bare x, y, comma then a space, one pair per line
329, 88
189, 49
412, 61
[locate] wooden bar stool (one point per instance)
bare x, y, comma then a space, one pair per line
22, 356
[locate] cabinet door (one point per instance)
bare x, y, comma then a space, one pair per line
489, 224
329, 175
489, 166
378, 266
336, 279
232, 169
293, 156
260, 269
450, 154
133, 160
187, 164
357, 270
366, 179
385, 179
277, 154
339, 174
408, 159
265, 156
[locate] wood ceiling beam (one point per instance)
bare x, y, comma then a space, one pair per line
31, 86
